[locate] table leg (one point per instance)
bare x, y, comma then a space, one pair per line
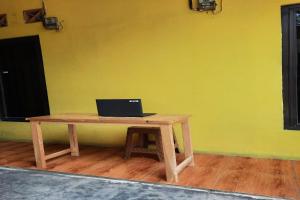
73, 140
38, 145
169, 152
188, 149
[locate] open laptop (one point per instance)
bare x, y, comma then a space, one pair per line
121, 108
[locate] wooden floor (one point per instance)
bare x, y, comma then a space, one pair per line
237, 174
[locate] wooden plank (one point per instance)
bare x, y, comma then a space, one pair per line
143, 150
169, 153
73, 140
93, 118
57, 154
188, 149
38, 145
184, 164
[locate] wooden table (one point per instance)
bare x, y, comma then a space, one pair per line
165, 122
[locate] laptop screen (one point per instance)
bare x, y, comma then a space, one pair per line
119, 107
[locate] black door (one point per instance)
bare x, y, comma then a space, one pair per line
22, 80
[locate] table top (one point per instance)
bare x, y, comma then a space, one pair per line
94, 118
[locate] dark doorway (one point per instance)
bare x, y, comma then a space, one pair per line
22, 81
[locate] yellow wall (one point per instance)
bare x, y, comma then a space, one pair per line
224, 70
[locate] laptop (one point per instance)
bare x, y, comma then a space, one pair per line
121, 108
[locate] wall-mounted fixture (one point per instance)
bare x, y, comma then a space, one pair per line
205, 5
51, 23
3, 20
40, 15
